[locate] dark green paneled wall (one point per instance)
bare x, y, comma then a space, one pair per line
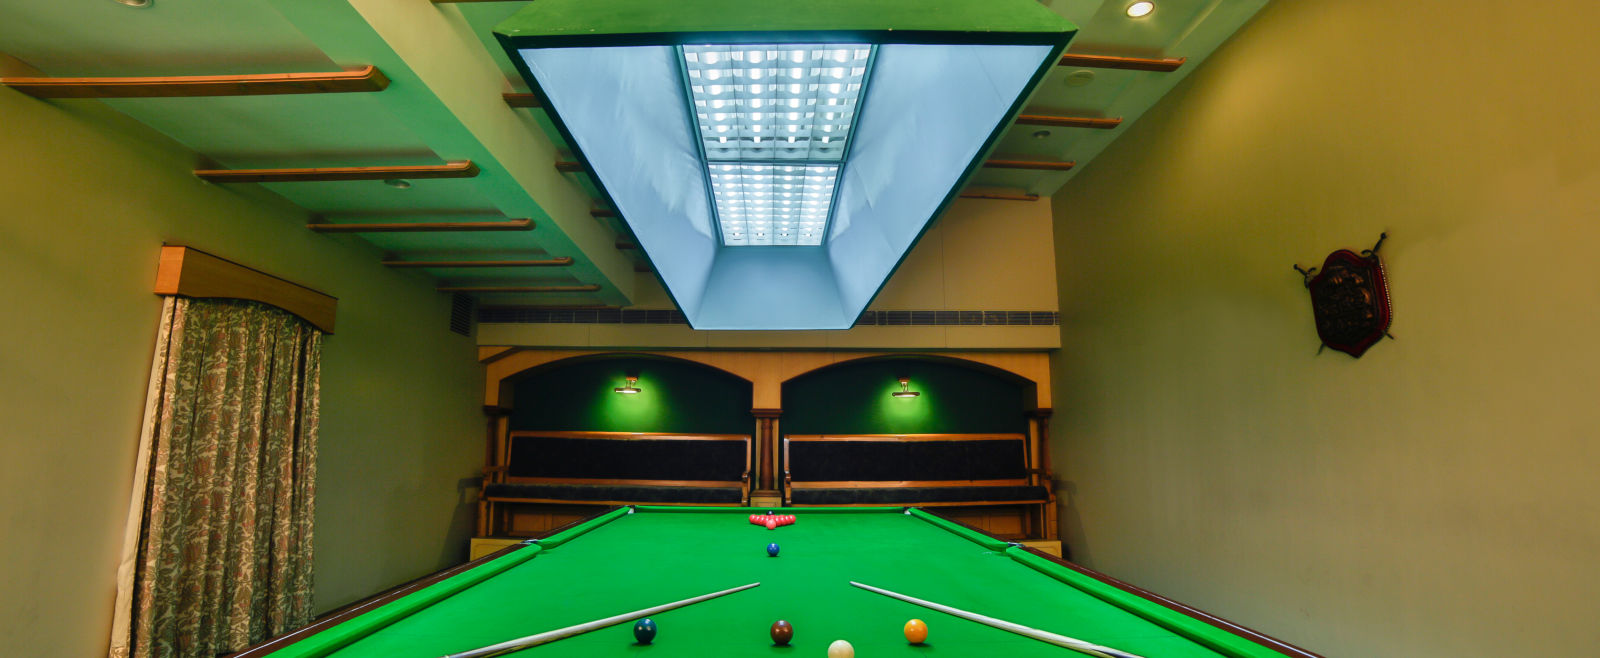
675, 396
854, 398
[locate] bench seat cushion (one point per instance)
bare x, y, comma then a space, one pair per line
630, 494
915, 495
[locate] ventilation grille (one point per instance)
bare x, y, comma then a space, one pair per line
534, 315
461, 314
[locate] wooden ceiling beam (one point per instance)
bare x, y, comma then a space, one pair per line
423, 227
590, 287
521, 100
456, 169
1039, 165
362, 79
1160, 65
548, 262
1068, 122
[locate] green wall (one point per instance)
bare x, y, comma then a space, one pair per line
675, 396
854, 398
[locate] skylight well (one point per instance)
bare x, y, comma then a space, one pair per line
776, 161
775, 122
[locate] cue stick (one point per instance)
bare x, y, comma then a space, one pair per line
1043, 636
563, 633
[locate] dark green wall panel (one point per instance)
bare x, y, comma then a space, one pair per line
676, 396
854, 398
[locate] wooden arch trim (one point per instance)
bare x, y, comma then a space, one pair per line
510, 364
1034, 371
189, 272
766, 370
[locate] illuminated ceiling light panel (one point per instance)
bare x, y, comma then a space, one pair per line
776, 161
776, 102
760, 107
772, 204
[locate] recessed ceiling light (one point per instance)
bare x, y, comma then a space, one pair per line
135, 3
1080, 78
396, 183
1041, 134
1139, 9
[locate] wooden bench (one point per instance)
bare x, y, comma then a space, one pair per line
614, 468
920, 470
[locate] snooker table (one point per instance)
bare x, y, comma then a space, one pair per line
632, 558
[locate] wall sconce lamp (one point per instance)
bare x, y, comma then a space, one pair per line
905, 389
632, 386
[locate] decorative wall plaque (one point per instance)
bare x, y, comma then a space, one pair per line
1350, 299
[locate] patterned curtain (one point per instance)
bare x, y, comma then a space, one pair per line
217, 554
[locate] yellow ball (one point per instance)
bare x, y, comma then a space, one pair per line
841, 649
916, 631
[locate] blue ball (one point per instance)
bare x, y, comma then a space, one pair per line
772, 550
644, 630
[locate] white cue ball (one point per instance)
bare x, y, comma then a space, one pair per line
841, 649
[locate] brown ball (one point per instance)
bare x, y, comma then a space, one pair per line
782, 632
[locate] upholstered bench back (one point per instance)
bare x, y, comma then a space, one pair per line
623, 468
620, 456
908, 458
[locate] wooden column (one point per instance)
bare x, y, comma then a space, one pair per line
1041, 441
492, 449
766, 477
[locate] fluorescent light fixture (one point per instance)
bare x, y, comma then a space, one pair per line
905, 389
631, 388
777, 160
774, 123
772, 204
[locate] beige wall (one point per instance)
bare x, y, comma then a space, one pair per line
86, 200
980, 255
1437, 497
